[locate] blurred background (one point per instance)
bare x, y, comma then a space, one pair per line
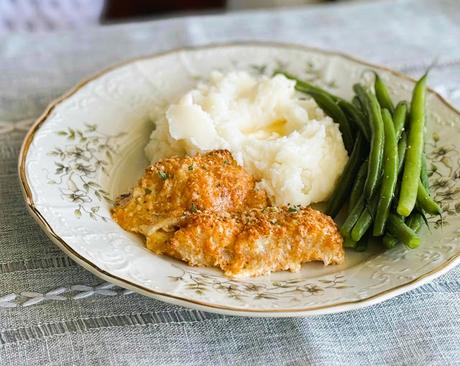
51, 15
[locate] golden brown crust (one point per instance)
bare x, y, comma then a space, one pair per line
256, 242
203, 239
206, 211
172, 187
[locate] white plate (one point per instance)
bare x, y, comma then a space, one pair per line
88, 147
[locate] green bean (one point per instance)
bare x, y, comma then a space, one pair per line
327, 104
413, 160
356, 116
425, 202
364, 221
323, 99
402, 145
358, 185
400, 230
399, 118
304, 86
424, 199
377, 144
346, 180
348, 243
353, 217
361, 246
415, 221
389, 241
357, 103
382, 94
362, 99
362, 225
424, 174
358, 246
390, 175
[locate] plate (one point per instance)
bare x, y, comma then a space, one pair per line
88, 147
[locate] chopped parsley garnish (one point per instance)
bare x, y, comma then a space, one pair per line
190, 167
193, 208
293, 209
163, 175
226, 162
147, 190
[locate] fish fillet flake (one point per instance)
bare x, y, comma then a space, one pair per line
256, 242
206, 210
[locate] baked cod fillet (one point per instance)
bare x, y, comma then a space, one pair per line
173, 187
255, 242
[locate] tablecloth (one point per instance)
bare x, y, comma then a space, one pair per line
54, 312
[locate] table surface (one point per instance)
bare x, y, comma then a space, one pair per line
54, 312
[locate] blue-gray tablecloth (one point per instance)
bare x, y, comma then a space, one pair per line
54, 312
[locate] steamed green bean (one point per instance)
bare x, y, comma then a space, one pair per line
390, 175
413, 160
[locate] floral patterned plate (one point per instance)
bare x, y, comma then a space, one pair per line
88, 147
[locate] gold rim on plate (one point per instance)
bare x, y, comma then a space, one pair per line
314, 310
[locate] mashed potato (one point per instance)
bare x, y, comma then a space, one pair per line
280, 137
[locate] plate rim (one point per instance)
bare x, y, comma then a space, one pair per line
182, 300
